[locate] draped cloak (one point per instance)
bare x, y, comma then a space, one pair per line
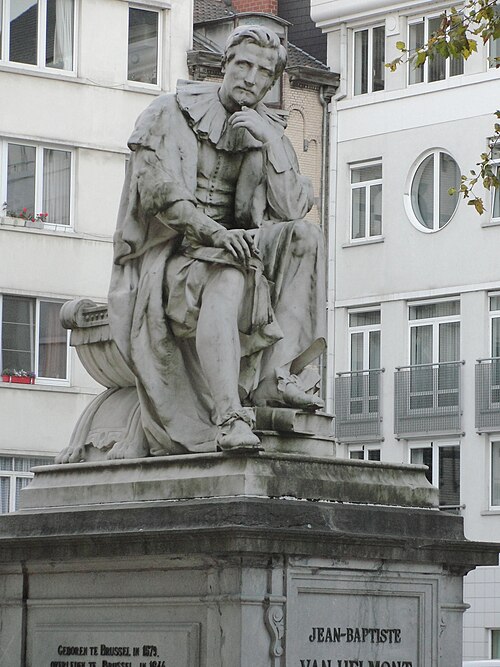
177, 411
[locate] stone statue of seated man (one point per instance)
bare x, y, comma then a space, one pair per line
217, 297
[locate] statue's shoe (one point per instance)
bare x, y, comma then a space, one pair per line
294, 397
235, 435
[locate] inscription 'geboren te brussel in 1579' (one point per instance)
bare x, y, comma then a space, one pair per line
146, 655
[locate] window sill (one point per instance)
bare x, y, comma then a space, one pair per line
34, 70
492, 512
60, 388
52, 230
369, 241
491, 223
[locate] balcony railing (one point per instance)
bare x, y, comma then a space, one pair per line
357, 405
488, 395
427, 399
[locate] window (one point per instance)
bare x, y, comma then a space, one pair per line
366, 201
15, 475
437, 68
429, 205
434, 355
365, 454
495, 475
443, 461
37, 179
364, 345
39, 33
143, 45
495, 192
494, 47
32, 338
494, 398
495, 643
369, 60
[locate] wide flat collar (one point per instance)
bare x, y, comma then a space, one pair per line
208, 118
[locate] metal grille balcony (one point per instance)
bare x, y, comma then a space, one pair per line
427, 399
488, 395
357, 406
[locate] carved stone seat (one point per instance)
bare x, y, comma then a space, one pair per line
110, 427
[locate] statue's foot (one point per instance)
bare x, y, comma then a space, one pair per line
236, 435
71, 455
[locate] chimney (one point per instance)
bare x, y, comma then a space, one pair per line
267, 6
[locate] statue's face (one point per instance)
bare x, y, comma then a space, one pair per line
249, 74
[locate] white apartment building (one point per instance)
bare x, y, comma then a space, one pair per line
74, 76
414, 292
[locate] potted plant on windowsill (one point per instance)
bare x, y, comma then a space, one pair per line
23, 217
18, 377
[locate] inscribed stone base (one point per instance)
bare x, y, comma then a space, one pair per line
244, 580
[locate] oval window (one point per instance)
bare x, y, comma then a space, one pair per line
431, 206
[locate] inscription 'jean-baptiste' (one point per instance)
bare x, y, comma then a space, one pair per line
355, 635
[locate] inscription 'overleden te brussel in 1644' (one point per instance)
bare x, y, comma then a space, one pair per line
116, 656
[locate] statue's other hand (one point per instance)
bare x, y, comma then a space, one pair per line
258, 127
239, 242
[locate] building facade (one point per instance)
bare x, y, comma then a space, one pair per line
74, 76
414, 277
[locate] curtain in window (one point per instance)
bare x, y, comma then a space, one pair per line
436, 65
59, 46
361, 62
449, 177
21, 178
52, 350
56, 186
358, 213
496, 194
18, 333
4, 495
378, 57
449, 475
495, 477
375, 210
416, 40
422, 192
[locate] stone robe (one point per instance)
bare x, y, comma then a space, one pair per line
183, 150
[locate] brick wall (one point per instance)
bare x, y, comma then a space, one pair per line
268, 6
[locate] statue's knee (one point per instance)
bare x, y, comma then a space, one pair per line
230, 281
306, 238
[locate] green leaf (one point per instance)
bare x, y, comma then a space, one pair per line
401, 46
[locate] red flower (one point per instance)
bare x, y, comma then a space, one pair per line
24, 210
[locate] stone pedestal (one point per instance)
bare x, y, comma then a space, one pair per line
274, 560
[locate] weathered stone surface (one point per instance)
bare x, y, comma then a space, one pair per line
266, 474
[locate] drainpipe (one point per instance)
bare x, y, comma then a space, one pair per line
331, 223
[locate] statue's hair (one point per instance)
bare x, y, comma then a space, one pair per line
256, 34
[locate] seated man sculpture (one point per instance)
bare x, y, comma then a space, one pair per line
217, 293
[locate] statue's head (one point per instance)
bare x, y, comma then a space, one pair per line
254, 59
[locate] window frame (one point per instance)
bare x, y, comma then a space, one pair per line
41, 42
39, 178
160, 12
435, 446
365, 449
408, 194
40, 380
367, 186
14, 475
436, 323
369, 63
495, 192
364, 329
493, 440
425, 67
